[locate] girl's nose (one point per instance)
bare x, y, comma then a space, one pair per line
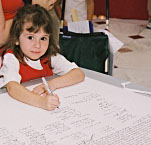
37, 43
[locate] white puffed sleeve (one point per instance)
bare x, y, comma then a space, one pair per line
9, 70
61, 65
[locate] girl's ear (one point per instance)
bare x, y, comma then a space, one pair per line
17, 43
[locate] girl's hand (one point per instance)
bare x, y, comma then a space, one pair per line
51, 102
40, 90
48, 102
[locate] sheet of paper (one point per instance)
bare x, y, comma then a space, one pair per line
91, 113
79, 27
115, 44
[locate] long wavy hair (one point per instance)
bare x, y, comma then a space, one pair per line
39, 18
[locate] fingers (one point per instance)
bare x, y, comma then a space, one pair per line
44, 94
52, 102
40, 90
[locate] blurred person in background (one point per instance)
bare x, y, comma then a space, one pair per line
84, 9
149, 13
8, 9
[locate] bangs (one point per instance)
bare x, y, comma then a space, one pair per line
37, 22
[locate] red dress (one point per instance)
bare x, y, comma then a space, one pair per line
28, 73
10, 8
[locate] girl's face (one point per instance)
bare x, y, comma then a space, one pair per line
33, 45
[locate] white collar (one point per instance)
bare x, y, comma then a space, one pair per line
33, 63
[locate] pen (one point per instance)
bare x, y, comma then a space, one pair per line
47, 86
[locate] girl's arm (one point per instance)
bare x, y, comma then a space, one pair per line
11, 80
69, 74
74, 76
4, 26
24, 95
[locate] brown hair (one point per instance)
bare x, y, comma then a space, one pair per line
40, 18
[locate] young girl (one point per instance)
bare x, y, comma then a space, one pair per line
30, 53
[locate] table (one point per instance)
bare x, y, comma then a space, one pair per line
94, 75
90, 113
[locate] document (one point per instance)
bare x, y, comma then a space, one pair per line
115, 44
90, 113
79, 26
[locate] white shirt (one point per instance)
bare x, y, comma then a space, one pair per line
10, 68
79, 5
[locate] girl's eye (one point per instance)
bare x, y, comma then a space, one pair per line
30, 37
44, 38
